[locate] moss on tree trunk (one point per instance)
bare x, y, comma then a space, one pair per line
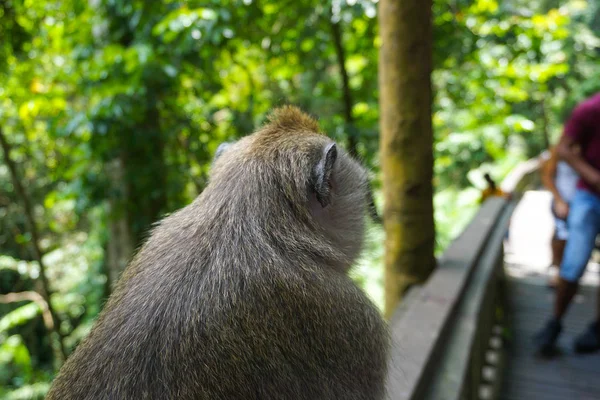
406, 144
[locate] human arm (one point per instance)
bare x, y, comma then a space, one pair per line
561, 207
587, 172
549, 174
577, 129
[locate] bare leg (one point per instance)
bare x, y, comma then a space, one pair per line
583, 222
558, 249
565, 291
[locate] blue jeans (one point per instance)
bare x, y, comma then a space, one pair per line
583, 224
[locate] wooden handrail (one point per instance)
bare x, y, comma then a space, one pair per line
517, 180
439, 329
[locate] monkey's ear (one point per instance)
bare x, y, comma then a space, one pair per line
221, 149
323, 172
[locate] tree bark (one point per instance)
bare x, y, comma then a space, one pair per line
406, 144
58, 345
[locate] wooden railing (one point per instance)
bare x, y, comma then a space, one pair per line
447, 333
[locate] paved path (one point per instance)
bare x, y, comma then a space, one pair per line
568, 376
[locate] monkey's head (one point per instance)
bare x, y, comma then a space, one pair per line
289, 175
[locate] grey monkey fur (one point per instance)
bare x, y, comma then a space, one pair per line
244, 293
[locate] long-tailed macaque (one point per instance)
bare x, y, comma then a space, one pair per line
244, 293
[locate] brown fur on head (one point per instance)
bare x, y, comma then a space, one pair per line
242, 294
281, 161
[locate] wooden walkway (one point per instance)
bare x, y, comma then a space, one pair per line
568, 375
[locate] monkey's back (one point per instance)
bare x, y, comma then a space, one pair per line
243, 294
193, 323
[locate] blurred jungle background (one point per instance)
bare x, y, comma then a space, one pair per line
112, 110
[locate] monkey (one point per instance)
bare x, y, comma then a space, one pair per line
245, 293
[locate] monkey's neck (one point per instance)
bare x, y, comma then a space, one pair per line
273, 227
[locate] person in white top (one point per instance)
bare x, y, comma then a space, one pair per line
561, 180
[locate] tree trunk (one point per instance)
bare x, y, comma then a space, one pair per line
142, 154
138, 191
406, 144
54, 328
119, 248
143, 160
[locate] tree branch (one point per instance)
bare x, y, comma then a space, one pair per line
336, 34
36, 298
60, 352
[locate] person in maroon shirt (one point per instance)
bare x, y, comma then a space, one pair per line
582, 129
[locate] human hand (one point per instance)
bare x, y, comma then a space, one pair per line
594, 183
561, 208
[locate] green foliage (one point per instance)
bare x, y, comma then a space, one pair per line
18, 317
115, 107
368, 272
35, 391
14, 356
